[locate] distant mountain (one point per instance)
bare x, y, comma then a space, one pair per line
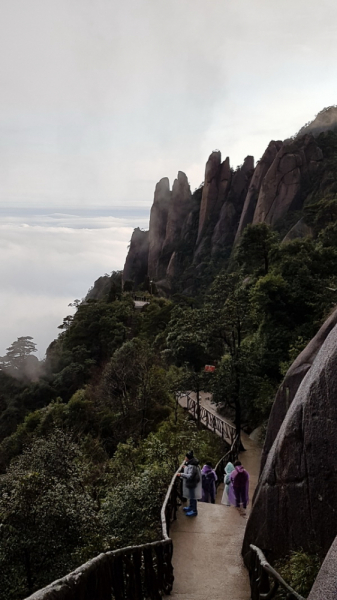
192, 234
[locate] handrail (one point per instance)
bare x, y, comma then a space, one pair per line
166, 513
211, 421
132, 572
260, 572
230, 456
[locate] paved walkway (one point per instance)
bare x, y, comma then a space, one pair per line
207, 549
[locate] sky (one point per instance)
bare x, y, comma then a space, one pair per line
99, 100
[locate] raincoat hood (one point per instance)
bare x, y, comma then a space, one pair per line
229, 468
206, 469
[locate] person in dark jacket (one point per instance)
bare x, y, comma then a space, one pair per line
208, 479
192, 489
240, 482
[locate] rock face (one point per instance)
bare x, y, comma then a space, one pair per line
325, 586
260, 172
158, 222
233, 201
299, 230
190, 232
217, 178
136, 264
179, 208
294, 377
282, 185
296, 498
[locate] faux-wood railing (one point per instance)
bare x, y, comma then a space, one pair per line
131, 573
230, 456
211, 421
261, 573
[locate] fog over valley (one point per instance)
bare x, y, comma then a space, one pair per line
51, 259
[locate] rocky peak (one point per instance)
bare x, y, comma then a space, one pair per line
281, 189
179, 208
211, 200
136, 264
226, 227
326, 120
262, 167
158, 223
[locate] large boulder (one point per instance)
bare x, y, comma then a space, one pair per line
325, 586
294, 377
296, 498
158, 222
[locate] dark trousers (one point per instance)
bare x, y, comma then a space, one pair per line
209, 496
240, 496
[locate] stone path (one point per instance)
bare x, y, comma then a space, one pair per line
207, 548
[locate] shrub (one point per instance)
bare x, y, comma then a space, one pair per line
299, 570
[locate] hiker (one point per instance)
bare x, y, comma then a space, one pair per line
208, 479
192, 489
227, 481
240, 483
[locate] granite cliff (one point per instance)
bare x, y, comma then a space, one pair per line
189, 230
297, 489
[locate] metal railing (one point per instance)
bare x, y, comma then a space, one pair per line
264, 580
211, 421
230, 456
130, 573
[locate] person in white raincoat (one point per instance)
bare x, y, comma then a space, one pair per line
229, 468
192, 487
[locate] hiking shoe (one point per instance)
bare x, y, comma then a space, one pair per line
191, 513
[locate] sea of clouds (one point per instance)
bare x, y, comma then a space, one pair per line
50, 258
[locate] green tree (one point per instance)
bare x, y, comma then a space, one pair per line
255, 248
227, 312
48, 518
18, 352
187, 345
134, 388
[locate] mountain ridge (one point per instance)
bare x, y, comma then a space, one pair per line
190, 229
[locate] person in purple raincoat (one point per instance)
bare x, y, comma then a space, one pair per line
240, 486
209, 478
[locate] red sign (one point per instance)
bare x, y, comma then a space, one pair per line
209, 368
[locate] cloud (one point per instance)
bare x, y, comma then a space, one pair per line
48, 260
100, 100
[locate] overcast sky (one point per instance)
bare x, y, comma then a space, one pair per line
100, 99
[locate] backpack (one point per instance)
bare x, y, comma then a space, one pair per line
196, 474
194, 480
240, 479
208, 481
